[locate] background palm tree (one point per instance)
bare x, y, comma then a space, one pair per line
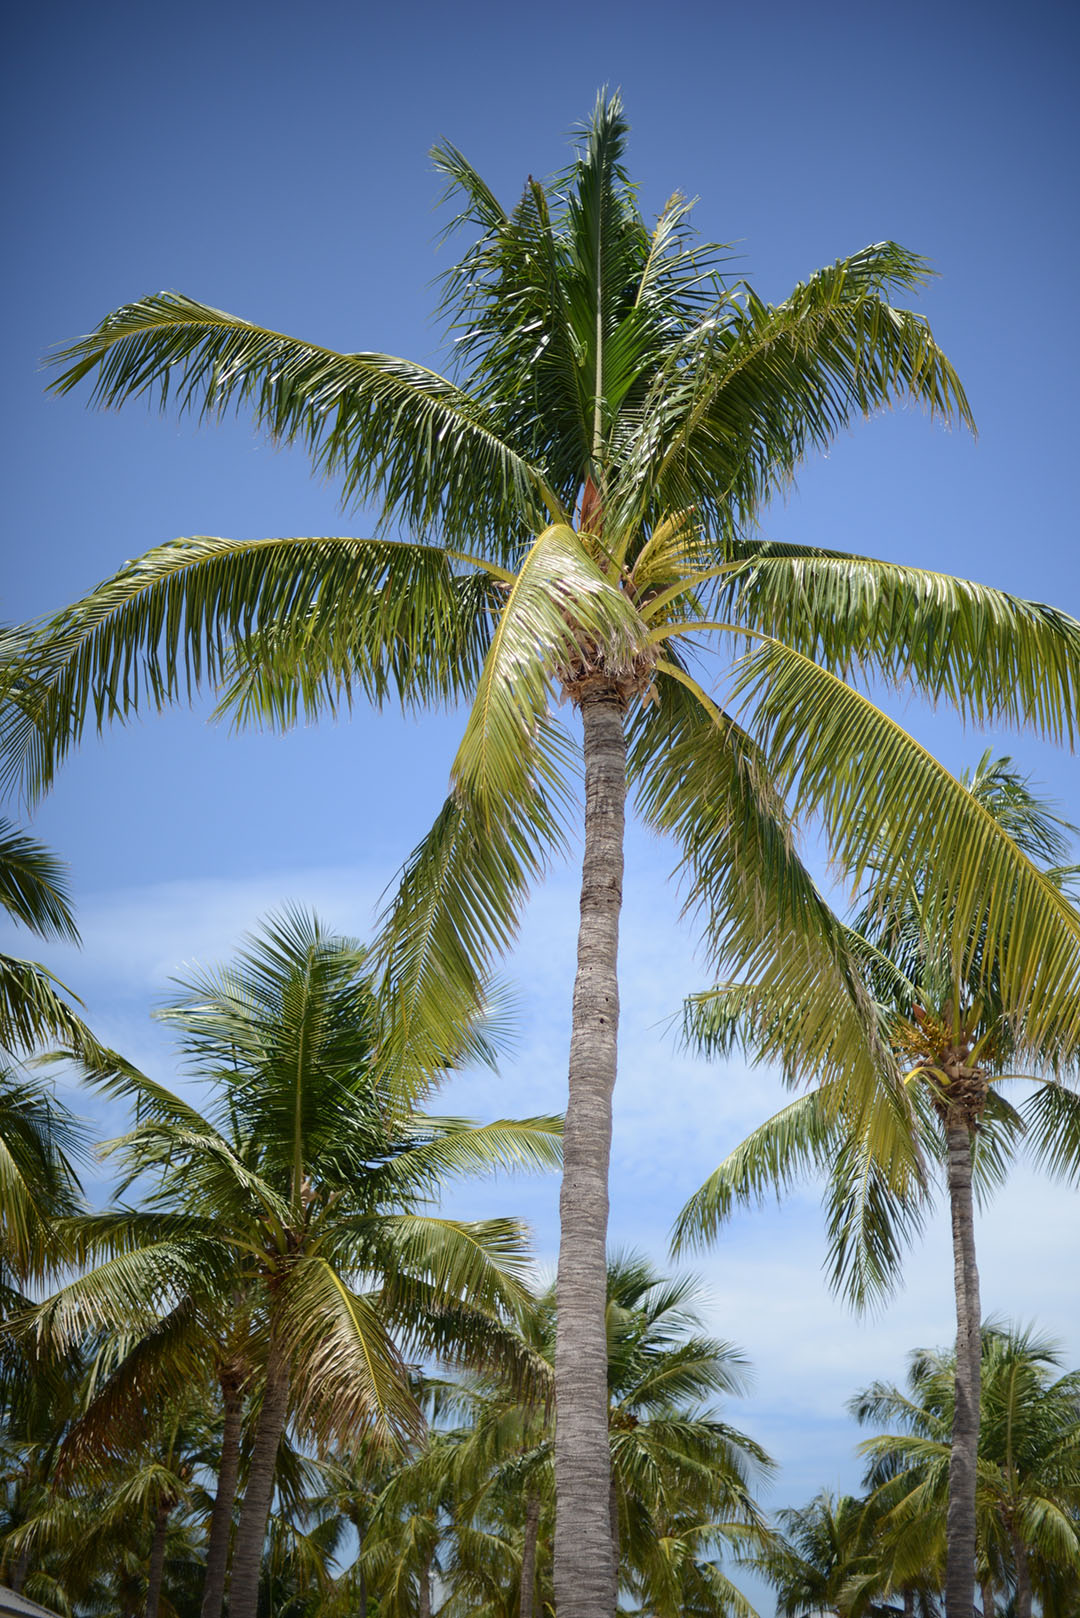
300, 1199
945, 1009
1028, 1470
592, 478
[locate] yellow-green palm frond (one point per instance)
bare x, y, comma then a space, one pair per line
994, 657
881, 796
394, 432
561, 619
282, 626
703, 781
348, 1373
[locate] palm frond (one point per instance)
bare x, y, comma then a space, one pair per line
394, 432
280, 626
994, 657
33, 885
892, 803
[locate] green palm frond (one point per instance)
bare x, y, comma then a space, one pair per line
395, 433
1051, 1119
892, 797
456, 909
352, 1376
996, 658
780, 1154
282, 626
757, 387
452, 1146
33, 885
702, 780
561, 612
33, 1010
481, 1261
130, 1292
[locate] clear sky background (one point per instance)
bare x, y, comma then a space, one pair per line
272, 160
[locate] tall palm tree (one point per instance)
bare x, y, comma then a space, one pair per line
581, 502
1028, 1471
302, 1194
945, 1009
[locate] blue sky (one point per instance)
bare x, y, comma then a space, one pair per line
273, 162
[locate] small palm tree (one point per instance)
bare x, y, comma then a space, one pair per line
946, 1010
1028, 1468
300, 1200
681, 1479
581, 506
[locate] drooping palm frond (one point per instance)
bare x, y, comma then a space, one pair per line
996, 658
350, 1373
33, 1010
893, 803
704, 782
33, 885
443, 1147
281, 627
394, 432
455, 911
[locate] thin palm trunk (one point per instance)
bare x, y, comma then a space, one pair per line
425, 1587
584, 1570
960, 1556
528, 1554
1023, 1578
255, 1512
989, 1606
217, 1550
157, 1557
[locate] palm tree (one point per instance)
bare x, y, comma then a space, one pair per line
823, 1549
681, 1478
581, 502
1028, 1470
947, 1011
302, 1195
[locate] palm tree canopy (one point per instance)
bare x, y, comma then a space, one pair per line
581, 493
305, 1190
937, 990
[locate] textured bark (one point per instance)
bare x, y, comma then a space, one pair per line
157, 1558
528, 1555
1022, 1600
584, 1570
19, 1572
960, 1523
616, 1546
909, 1604
255, 1512
989, 1605
221, 1518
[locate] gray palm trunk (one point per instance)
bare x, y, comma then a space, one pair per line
255, 1512
424, 1592
989, 1605
960, 1522
584, 1566
217, 1550
1023, 1577
528, 1554
156, 1572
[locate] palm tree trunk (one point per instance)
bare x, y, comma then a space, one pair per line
1023, 1578
616, 1547
584, 1572
425, 1587
989, 1606
255, 1512
960, 1522
528, 1554
217, 1549
157, 1557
